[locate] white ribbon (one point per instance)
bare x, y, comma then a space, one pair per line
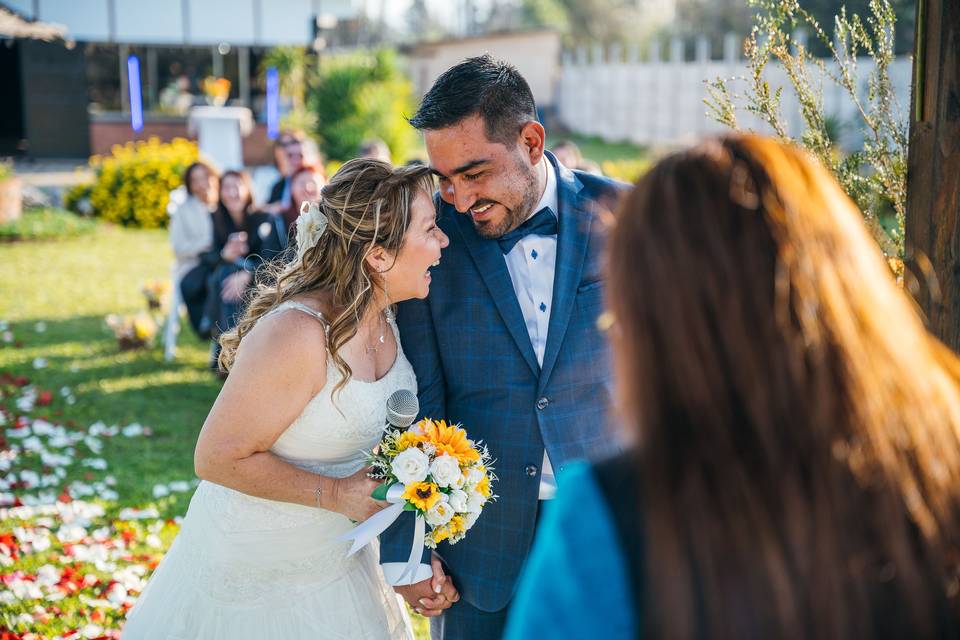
366, 531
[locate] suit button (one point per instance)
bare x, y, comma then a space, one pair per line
542, 403
531, 470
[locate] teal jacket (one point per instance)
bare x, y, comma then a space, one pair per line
575, 584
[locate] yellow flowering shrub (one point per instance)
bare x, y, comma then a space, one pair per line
133, 184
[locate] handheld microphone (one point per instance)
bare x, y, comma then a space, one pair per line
402, 408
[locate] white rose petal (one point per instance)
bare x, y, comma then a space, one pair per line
440, 514
469, 520
133, 430
411, 465
475, 502
458, 500
445, 470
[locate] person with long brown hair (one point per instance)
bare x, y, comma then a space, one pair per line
795, 468
281, 455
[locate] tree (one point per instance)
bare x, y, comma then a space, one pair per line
933, 194
360, 96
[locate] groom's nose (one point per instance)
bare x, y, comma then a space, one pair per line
462, 198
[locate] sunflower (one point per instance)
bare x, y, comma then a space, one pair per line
407, 440
422, 495
451, 440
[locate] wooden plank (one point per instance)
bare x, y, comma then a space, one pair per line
933, 179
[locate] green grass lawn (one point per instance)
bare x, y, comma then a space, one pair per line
54, 296
70, 286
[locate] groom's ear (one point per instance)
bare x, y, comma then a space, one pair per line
533, 137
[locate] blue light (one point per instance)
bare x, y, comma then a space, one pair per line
273, 103
136, 100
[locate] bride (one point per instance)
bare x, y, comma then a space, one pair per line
311, 364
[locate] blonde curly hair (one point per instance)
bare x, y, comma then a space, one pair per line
366, 204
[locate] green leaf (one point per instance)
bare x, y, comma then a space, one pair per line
409, 507
380, 493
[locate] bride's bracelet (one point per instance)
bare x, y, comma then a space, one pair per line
318, 493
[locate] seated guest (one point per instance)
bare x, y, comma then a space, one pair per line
289, 157
243, 239
305, 186
568, 154
375, 148
191, 235
795, 471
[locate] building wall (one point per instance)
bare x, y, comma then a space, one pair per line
536, 55
205, 22
661, 102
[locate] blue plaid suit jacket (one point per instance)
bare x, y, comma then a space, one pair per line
475, 365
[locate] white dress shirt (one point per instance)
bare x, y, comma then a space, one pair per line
531, 264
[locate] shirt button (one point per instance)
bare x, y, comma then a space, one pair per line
542, 403
530, 470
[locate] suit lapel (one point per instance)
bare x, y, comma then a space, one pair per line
493, 270
572, 240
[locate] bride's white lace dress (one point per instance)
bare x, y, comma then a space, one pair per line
245, 567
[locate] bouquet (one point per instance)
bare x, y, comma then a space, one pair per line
156, 293
444, 476
132, 332
434, 470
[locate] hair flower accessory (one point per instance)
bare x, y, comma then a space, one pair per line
310, 226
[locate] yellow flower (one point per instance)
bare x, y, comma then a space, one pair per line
422, 495
451, 440
439, 534
483, 487
456, 525
408, 440
144, 327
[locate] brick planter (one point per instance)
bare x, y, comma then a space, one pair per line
10, 200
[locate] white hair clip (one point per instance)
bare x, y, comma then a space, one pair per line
310, 227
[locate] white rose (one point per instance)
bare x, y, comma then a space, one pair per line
445, 469
469, 520
412, 465
459, 482
474, 476
458, 500
475, 502
440, 514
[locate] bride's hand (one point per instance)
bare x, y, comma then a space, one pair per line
351, 496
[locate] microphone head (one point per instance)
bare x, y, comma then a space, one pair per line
402, 408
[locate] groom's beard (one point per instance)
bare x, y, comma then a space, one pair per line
514, 217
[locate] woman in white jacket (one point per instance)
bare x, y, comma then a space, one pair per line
191, 234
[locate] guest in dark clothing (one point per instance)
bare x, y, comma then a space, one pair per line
243, 239
795, 471
305, 186
293, 151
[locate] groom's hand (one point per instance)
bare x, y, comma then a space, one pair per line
431, 596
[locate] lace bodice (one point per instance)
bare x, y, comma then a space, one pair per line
334, 430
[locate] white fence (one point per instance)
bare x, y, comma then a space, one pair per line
614, 95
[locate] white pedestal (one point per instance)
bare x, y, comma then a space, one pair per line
219, 131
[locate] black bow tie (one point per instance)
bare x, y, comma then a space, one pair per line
543, 223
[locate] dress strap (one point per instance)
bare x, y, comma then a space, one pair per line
299, 306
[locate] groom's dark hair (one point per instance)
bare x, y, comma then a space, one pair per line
492, 89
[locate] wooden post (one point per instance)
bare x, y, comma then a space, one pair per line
933, 179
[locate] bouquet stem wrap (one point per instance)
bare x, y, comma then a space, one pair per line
366, 531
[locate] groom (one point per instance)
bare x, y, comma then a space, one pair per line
507, 342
